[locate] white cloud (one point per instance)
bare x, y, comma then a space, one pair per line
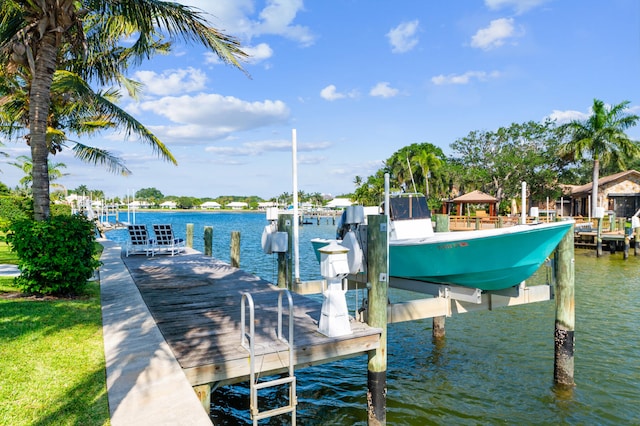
212, 116
567, 116
330, 93
261, 147
258, 53
520, 6
383, 90
240, 18
494, 35
171, 82
403, 37
465, 78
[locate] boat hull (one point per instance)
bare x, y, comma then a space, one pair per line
488, 260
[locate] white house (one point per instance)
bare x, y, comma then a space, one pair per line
210, 205
339, 203
139, 204
237, 205
168, 205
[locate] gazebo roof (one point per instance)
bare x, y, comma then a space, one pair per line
475, 197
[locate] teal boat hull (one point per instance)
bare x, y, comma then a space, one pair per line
489, 260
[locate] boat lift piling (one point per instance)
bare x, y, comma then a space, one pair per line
564, 338
437, 329
285, 222
378, 283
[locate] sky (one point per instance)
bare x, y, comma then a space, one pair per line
357, 80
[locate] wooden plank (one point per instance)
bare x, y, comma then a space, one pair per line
195, 301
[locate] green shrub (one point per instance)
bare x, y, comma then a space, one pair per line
14, 208
60, 209
56, 256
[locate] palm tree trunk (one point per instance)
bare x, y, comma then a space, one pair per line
594, 186
40, 98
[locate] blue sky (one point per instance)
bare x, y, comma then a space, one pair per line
358, 80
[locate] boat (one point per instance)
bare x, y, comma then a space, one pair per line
489, 260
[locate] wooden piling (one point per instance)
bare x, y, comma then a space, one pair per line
285, 269
190, 235
599, 238
204, 395
565, 312
208, 240
627, 244
438, 330
377, 267
235, 249
636, 235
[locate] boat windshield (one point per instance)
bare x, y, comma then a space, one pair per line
409, 207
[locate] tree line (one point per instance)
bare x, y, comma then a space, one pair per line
543, 154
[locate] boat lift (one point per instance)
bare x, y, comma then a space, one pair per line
444, 300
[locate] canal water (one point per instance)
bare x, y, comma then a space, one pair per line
493, 367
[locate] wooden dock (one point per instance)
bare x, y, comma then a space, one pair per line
196, 303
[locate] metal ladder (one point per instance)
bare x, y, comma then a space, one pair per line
248, 342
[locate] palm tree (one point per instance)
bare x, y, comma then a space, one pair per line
428, 162
601, 138
24, 163
38, 37
75, 108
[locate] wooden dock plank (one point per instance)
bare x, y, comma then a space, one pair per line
196, 303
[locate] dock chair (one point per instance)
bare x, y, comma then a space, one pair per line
166, 241
139, 241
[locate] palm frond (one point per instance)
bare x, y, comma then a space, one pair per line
103, 157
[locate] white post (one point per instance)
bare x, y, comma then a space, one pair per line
548, 210
523, 218
296, 255
589, 205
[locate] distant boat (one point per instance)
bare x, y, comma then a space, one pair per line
492, 259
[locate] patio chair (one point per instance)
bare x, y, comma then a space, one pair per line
139, 241
166, 241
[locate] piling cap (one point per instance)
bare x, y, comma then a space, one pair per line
333, 248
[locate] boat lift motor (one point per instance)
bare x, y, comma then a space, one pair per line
334, 267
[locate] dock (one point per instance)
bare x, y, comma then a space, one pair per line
194, 302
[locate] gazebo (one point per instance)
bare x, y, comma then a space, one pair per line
475, 197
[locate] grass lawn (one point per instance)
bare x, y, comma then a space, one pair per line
52, 366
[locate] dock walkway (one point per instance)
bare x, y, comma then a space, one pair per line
192, 321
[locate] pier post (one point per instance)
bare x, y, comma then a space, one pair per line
204, 395
377, 267
190, 235
438, 330
627, 244
565, 312
599, 238
285, 224
208, 240
636, 234
235, 249
442, 222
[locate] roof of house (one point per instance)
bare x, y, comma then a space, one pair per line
586, 188
339, 202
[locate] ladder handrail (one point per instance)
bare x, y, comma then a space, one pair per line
250, 346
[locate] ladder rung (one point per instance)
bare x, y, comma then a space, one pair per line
274, 412
275, 382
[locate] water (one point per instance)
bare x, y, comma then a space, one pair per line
492, 368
